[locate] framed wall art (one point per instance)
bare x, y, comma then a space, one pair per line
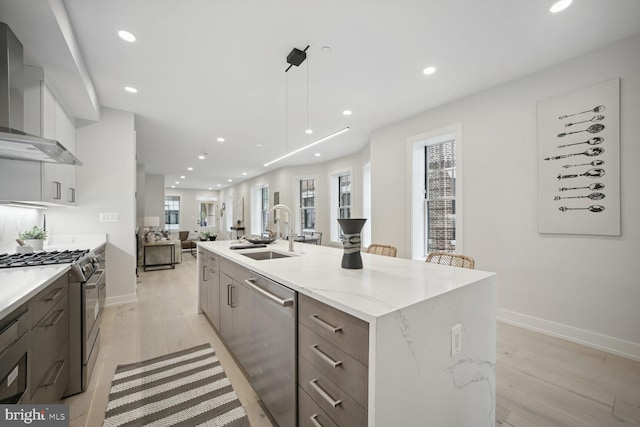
579, 161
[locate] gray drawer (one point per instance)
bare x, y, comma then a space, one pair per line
49, 335
310, 414
339, 367
233, 270
213, 260
339, 328
47, 298
55, 380
337, 404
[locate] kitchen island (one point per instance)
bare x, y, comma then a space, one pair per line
411, 312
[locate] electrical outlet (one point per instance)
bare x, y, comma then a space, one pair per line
456, 339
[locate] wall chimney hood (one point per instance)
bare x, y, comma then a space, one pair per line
14, 142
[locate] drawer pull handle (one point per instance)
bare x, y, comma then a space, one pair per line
324, 324
324, 394
57, 317
314, 420
56, 374
54, 295
324, 357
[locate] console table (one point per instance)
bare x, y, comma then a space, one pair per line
171, 247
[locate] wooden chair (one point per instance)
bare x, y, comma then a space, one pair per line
454, 260
386, 250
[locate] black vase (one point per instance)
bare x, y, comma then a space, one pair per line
351, 228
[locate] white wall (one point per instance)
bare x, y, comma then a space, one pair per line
15, 220
585, 288
188, 218
140, 191
154, 197
106, 183
283, 181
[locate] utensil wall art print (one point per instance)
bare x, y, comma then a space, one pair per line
579, 161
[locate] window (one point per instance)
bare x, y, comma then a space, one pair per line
172, 212
206, 211
366, 204
307, 204
259, 209
340, 202
344, 196
265, 208
436, 192
440, 196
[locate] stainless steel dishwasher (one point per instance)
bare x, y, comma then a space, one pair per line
272, 366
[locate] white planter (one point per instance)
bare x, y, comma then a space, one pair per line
36, 244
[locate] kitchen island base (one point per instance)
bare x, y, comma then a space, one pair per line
375, 345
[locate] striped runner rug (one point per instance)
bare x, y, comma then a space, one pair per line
186, 388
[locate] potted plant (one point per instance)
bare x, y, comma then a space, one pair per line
204, 235
34, 237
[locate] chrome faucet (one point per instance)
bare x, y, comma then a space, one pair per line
290, 233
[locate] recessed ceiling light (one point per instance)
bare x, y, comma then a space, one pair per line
347, 112
131, 89
308, 131
559, 6
258, 145
173, 186
244, 174
218, 185
182, 177
317, 154
189, 168
428, 71
220, 139
229, 180
210, 188
177, 182
126, 36
202, 156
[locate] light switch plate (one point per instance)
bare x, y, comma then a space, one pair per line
109, 216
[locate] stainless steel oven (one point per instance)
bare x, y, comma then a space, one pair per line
14, 349
86, 300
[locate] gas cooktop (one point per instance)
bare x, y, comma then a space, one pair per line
41, 258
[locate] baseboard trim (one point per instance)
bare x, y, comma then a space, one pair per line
617, 346
120, 300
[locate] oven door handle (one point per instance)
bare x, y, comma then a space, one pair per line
91, 284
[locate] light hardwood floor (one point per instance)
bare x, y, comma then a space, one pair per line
541, 381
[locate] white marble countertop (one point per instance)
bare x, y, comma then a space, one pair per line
383, 286
18, 285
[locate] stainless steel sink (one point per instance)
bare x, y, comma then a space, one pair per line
266, 255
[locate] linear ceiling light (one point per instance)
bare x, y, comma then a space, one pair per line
307, 146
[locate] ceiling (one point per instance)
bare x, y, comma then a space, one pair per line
210, 68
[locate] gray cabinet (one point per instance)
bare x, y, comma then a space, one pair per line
49, 361
333, 358
235, 317
209, 285
203, 290
213, 289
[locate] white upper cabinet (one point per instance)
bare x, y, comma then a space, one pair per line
50, 183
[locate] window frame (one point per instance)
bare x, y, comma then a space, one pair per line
335, 202
416, 187
170, 225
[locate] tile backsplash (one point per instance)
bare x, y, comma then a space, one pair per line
14, 220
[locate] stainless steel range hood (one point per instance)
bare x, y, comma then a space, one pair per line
14, 142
